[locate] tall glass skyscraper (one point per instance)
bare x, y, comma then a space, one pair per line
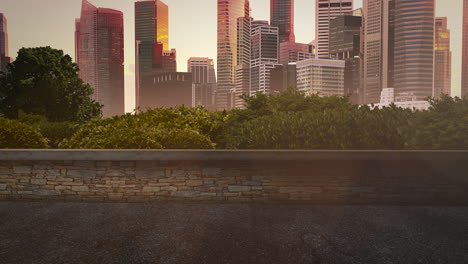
464, 87
282, 17
4, 59
443, 58
414, 49
228, 13
326, 10
151, 42
99, 47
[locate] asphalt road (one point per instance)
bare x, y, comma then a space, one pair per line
230, 233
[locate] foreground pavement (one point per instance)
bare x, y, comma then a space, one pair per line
230, 233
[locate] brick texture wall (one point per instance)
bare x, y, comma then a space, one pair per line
341, 181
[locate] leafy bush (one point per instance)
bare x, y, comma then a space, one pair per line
357, 128
15, 135
179, 128
54, 132
444, 126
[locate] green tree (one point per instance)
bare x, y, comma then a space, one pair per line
44, 81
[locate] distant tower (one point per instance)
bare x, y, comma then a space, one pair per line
228, 13
152, 54
464, 87
377, 49
99, 47
443, 59
326, 10
264, 56
282, 17
414, 49
4, 59
202, 70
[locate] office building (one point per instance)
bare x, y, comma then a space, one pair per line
152, 53
168, 89
228, 13
326, 10
242, 71
204, 94
202, 70
4, 58
464, 66
292, 52
414, 49
443, 59
264, 56
283, 77
377, 49
282, 17
99, 47
324, 77
345, 44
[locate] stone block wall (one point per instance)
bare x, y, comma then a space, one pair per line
316, 180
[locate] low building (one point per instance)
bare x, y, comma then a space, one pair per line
293, 52
387, 98
283, 77
168, 89
321, 76
204, 94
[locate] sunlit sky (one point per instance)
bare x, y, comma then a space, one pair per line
33, 23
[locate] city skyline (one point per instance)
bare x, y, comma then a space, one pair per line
201, 43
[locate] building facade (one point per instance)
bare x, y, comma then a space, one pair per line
204, 94
377, 48
228, 13
202, 70
4, 57
292, 52
282, 78
264, 56
282, 17
464, 66
326, 10
443, 59
345, 44
99, 47
414, 48
169, 89
152, 54
321, 76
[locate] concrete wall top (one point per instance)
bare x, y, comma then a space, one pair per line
231, 155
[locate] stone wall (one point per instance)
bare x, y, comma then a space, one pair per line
236, 176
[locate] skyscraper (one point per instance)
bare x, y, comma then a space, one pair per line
4, 59
264, 56
282, 17
414, 49
377, 49
326, 10
202, 70
344, 44
242, 73
228, 13
151, 45
443, 59
99, 48
464, 87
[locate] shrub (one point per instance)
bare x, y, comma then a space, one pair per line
15, 135
444, 126
54, 132
179, 128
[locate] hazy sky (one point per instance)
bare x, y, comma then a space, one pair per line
33, 23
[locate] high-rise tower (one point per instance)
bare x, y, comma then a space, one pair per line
99, 47
326, 10
228, 13
4, 59
377, 49
152, 52
414, 49
464, 87
282, 17
443, 59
